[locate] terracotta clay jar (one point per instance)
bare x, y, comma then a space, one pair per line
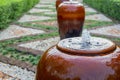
58, 2
69, 60
70, 18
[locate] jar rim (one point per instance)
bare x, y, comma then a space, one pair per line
105, 46
72, 2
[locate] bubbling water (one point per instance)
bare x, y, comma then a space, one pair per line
85, 42
86, 38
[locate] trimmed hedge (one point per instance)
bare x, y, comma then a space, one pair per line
12, 9
109, 7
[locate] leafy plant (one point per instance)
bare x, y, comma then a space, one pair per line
108, 7
13, 9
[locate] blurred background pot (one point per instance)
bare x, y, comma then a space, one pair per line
70, 17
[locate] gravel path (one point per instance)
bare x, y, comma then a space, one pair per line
14, 31
43, 5
98, 17
41, 45
16, 72
88, 9
34, 10
27, 18
4, 76
111, 31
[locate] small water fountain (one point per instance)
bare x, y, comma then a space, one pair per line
86, 39
80, 58
86, 45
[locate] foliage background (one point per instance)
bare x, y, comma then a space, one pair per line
10, 10
109, 7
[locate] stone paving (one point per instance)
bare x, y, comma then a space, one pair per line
48, 1
14, 72
52, 23
89, 9
4, 76
28, 18
97, 17
43, 5
34, 10
53, 13
111, 31
14, 31
41, 45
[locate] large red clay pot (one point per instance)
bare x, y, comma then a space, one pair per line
70, 17
68, 61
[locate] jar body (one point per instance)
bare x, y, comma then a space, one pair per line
70, 17
57, 65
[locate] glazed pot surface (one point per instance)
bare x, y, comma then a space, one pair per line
57, 64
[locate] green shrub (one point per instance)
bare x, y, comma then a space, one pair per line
109, 7
13, 9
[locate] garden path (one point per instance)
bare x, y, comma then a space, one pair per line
41, 20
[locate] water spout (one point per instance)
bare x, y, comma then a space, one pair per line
71, 0
86, 37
